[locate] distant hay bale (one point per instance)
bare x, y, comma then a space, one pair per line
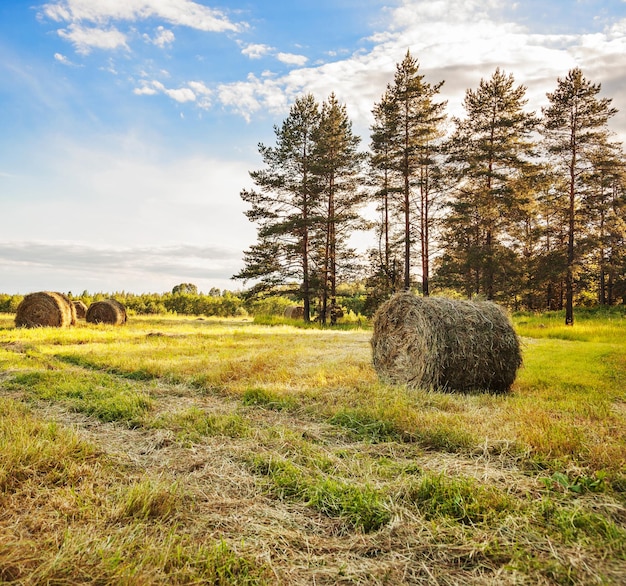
108, 311
45, 309
294, 312
71, 306
81, 309
438, 343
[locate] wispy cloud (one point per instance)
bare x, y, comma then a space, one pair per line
292, 59
194, 91
62, 59
104, 34
85, 39
177, 12
162, 37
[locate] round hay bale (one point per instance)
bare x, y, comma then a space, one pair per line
69, 303
108, 311
45, 309
81, 309
446, 344
294, 312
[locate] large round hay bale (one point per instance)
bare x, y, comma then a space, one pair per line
446, 344
81, 308
108, 311
45, 309
294, 312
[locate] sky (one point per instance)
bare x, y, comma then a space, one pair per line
128, 127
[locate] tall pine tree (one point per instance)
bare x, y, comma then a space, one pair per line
576, 124
284, 206
410, 122
385, 179
337, 165
490, 152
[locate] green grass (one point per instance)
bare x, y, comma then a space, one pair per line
461, 499
192, 424
361, 507
237, 453
100, 395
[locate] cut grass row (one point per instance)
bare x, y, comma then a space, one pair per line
72, 516
570, 485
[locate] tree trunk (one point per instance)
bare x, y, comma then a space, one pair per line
424, 216
569, 279
407, 217
306, 287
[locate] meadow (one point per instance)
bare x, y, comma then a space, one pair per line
176, 450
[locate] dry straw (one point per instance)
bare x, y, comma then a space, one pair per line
45, 309
108, 311
439, 343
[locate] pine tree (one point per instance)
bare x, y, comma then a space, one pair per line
606, 205
386, 182
337, 166
416, 118
490, 152
575, 125
285, 207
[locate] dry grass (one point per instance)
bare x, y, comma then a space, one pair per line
298, 466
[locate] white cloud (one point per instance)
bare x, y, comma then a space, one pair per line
459, 41
250, 96
85, 39
62, 59
203, 94
177, 12
292, 59
162, 37
146, 90
180, 95
256, 50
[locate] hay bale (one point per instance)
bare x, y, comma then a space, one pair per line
45, 309
438, 343
294, 312
81, 309
108, 311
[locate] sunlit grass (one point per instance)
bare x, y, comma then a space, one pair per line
302, 417
566, 406
93, 393
72, 516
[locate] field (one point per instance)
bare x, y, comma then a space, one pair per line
199, 451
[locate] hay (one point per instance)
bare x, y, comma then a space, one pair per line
294, 312
108, 311
81, 309
438, 343
45, 309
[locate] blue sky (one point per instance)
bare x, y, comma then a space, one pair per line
128, 127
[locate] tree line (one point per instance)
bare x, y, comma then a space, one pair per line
525, 209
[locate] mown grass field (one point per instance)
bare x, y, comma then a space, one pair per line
195, 451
